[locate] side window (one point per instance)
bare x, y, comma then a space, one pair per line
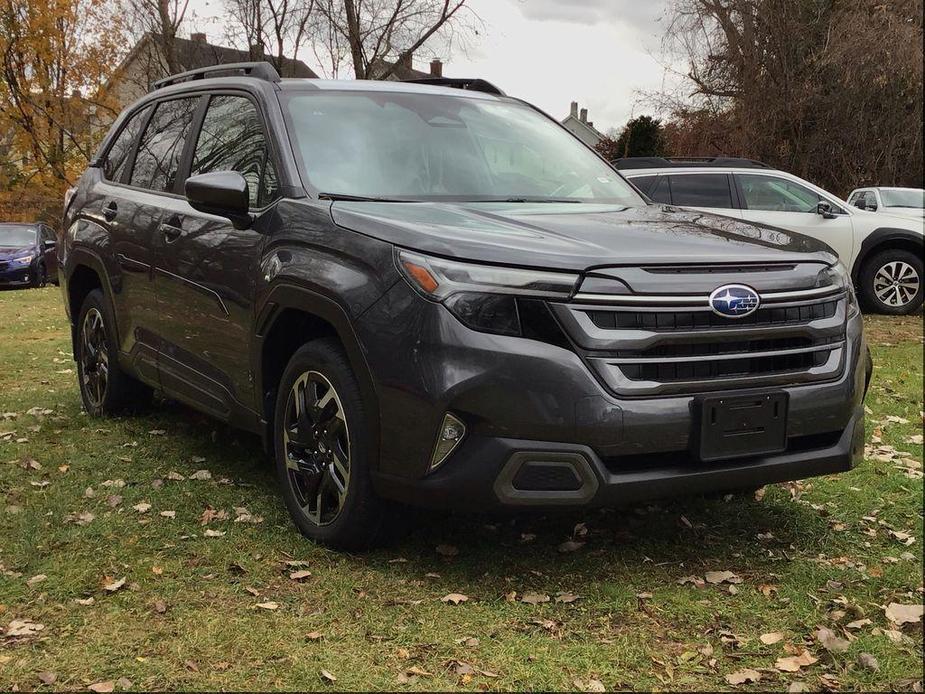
644, 183
157, 162
701, 190
661, 192
774, 194
116, 158
232, 139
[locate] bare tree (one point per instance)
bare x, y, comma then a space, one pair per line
161, 19
829, 90
369, 31
279, 28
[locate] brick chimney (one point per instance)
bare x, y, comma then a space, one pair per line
574, 111
436, 68
199, 37
584, 115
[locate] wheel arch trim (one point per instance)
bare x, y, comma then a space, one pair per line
880, 238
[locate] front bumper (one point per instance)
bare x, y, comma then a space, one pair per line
527, 402
16, 276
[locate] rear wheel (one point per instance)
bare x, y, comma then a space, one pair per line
891, 282
321, 449
104, 387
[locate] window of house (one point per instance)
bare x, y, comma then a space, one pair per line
157, 162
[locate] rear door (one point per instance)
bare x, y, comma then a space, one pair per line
784, 203
707, 192
207, 269
48, 240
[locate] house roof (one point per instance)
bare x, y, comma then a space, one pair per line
583, 124
196, 54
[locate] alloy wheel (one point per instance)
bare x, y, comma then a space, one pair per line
896, 283
316, 442
94, 357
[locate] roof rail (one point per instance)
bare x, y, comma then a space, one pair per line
686, 162
261, 70
472, 84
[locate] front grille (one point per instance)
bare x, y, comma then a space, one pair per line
699, 320
678, 345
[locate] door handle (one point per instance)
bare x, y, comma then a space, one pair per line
110, 210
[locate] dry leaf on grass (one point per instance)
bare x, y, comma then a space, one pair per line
795, 662
454, 598
35, 580
567, 598
718, 577
46, 677
201, 475
300, 575
743, 676
143, 507
327, 676
771, 638
102, 687
831, 642
213, 533
267, 605
534, 598
20, 628
111, 586
590, 685
901, 614
314, 636
169, 514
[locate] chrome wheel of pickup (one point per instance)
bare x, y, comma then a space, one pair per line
317, 447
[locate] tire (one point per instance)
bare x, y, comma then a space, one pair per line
330, 503
105, 388
878, 275
40, 278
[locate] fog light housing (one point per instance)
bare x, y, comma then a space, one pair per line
452, 431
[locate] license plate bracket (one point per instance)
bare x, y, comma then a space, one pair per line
742, 425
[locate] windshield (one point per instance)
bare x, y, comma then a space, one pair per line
903, 197
16, 236
426, 147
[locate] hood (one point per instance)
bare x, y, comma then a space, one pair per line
10, 252
574, 236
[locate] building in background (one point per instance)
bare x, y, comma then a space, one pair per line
578, 124
145, 64
404, 70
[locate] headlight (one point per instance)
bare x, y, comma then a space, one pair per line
838, 275
483, 297
23, 259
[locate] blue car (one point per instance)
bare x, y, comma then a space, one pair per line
27, 255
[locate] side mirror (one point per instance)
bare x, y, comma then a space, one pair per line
222, 193
49, 245
872, 207
825, 209
860, 204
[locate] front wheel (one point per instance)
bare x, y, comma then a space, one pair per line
891, 282
40, 278
321, 447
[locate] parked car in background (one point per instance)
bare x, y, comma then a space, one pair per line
483, 315
902, 202
27, 255
883, 252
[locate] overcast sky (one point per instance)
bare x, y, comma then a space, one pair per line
600, 53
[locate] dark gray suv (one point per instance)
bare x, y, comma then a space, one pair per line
433, 293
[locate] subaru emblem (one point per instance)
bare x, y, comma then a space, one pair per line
734, 301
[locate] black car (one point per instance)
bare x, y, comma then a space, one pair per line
27, 255
435, 294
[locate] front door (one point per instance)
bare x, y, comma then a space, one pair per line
206, 268
783, 203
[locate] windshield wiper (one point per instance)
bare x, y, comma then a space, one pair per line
355, 198
528, 199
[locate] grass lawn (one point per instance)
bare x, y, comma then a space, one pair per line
86, 504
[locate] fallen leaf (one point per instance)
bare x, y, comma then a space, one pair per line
858, 624
570, 546
111, 586
534, 598
175, 476
300, 575
102, 687
213, 533
314, 636
86, 602
717, 577
191, 665
46, 677
143, 507
454, 598
124, 683
35, 580
868, 662
743, 676
567, 598
23, 628
157, 432
268, 605
831, 642
771, 638
901, 614
201, 475
160, 606
794, 663
695, 581
169, 514
591, 685
327, 676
